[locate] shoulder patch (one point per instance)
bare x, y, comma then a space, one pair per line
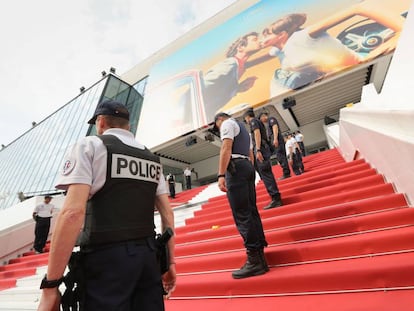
68, 167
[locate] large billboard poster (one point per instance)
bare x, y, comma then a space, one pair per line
266, 51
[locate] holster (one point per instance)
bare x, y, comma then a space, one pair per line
163, 256
231, 168
72, 298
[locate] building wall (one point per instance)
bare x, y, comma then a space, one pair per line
143, 69
380, 129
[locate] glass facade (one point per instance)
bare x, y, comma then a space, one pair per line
30, 164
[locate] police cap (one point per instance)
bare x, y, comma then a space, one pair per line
110, 108
220, 114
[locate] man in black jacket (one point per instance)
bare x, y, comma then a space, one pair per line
262, 151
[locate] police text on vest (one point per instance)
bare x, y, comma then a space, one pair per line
124, 166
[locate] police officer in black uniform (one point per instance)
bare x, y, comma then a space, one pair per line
113, 183
263, 153
277, 141
236, 177
171, 185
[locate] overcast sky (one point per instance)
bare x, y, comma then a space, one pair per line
50, 48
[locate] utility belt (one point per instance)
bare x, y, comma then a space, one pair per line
73, 297
141, 241
231, 168
42, 220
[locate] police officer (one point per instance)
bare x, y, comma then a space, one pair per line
171, 185
236, 177
263, 153
292, 151
113, 183
42, 214
277, 141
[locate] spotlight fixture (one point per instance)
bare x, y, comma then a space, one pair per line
103, 73
81, 89
112, 70
190, 141
209, 137
288, 102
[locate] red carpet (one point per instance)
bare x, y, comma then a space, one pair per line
343, 240
185, 196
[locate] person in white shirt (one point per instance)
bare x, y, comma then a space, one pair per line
113, 184
42, 214
187, 174
309, 54
290, 146
299, 138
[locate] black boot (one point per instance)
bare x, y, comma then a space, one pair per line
263, 258
253, 266
276, 202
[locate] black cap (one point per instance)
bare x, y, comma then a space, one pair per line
110, 108
249, 112
220, 114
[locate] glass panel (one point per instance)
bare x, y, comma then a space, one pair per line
32, 162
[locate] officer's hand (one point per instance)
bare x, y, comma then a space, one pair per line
222, 184
50, 300
259, 157
168, 281
275, 143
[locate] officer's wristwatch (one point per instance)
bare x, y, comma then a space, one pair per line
50, 283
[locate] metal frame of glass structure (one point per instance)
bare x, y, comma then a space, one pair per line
30, 164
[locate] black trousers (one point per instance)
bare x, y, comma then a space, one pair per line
41, 233
122, 277
188, 182
266, 174
296, 163
282, 159
172, 189
241, 193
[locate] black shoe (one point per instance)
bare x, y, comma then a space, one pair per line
276, 202
283, 177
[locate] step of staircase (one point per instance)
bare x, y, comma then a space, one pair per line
341, 241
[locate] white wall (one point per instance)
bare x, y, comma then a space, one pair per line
17, 227
380, 128
207, 167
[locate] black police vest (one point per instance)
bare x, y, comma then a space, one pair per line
241, 143
123, 209
262, 129
280, 138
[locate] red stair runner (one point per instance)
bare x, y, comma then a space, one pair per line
343, 240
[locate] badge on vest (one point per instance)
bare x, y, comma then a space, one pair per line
124, 166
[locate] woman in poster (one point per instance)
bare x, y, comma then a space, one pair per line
309, 54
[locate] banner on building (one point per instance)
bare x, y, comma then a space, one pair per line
266, 52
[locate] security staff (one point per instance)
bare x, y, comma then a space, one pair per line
236, 177
292, 152
113, 183
262, 157
42, 214
277, 141
171, 185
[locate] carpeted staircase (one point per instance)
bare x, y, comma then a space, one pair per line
343, 240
